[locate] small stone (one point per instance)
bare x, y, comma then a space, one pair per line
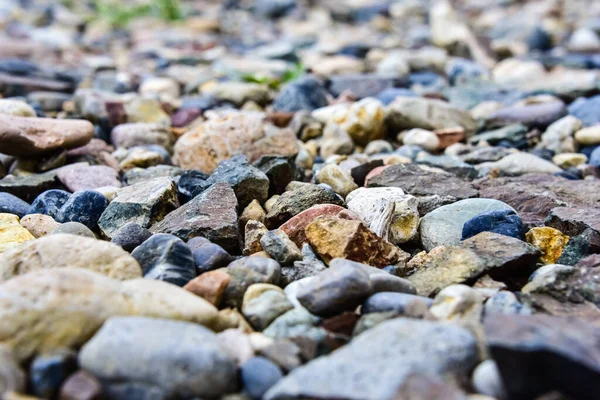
335, 141
265, 307
487, 381
210, 286
304, 94
297, 323
10, 204
39, 224
208, 256
259, 375
80, 386
568, 160
521, 163
139, 157
16, 108
237, 344
12, 234
143, 203
24, 136
48, 371
558, 137
74, 228
212, 215
49, 202
280, 171
166, 258
340, 181
399, 303
585, 109
132, 390
295, 226
444, 225
85, 206
550, 241
280, 247
334, 237
254, 232
505, 302
247, 271
90, 177
421, 137
254, 212
27, 187
139, 134
504, 222
238, 93
12, 378
150, 350
293, 202
130, 236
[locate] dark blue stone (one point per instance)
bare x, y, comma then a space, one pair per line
130, 236
132, 391
207, 255
504, 222
539, 39
189, 182
259, 375
166, 258
386, 96
280, 171
49, 202
355, 50
572, 174
48, 372
307, 93
595, 157
84, 206
12, 204
425, 78
546, 154
588, 150
586, 109
273, 8
391, 301
463, 70
203, 102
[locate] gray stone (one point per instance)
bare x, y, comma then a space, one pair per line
487, 381
443, 226
245, 272
377, 363
296, 323
264, 309
12, 377
309, 265
182, 359
280, 247
139, 134
137, 175
28, 187
130, 236
392, 301
520, 164
74, 228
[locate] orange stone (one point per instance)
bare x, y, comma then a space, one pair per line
210, 286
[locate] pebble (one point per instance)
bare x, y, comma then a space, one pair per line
487, 380
340, 181
10, 204
262, 309
258, 375
74, 228
400, 303
130, 236
588, 136
505, 222
421, 137
304, 94
568, 160
207, 255
49, 202
80, 386
280, 247
12, 234
90, 177
11, 374
85, 206
247, 271
16, 108
49, 371
210, 286
39, 224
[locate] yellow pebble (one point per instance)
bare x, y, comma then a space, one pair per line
550, 241
12, 233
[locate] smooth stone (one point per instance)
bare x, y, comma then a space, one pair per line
132, 390
58, 308
12, 234
280, 247
74, 228
505, 302
130, 236
453, 165
568, 160
521, 163
151, 350
49, 202
48, 371
166, 258
393, 301
80, 386
517, 341
90, 177
207, 255
594, 158
444, 225
139, 134
24, 136
85, 206
246, 271
12, 377
505, 222
389, 74
486, 380
263, 309
10, 204
238, 93
340, 181
335, 141
39, 224
304, 94
588, 136
293, 202
296, 323
421, 137
16, 108
394, 349
258, 375
237, 344
210, 286
143, 203
212, 215
550, 241
484, 154
558, 137
531, 114
586, 110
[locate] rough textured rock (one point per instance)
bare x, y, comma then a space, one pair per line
210, 286
143, 203
340, 181
520, 343
263, 308
39, 224
247, 271
49, 202
383, 357
74, 228
212, 215
153, 350
63, 250
22, 136
207, 255
485, 253
550, 241
303, 94
85, 206
296, 225
334, 237
12, 234
574, 221
63, 307
280, 247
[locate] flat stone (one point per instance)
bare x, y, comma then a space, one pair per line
150, 350
74, 228
385, 356
533, 114
293, 202
444, 225
165, 258
421, 137
210, 286
485, 253
12, 234
28, 187
399, 303
80, 386
49, 202
90, 177
58, 308
16, 108
85, 206
23, 136
64, 250
212, 215
143, 203
586, 109
13, 205
574, 221
516, 342
334, 237
139, 134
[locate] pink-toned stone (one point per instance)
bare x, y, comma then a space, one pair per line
374, 172
88, 177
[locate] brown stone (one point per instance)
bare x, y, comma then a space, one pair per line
254, 231
426, 387
334, 237
295, 227
23, 136
80, 386
210, 286
449, 136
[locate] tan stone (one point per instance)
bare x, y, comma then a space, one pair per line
340, 181
210, 286
588, 136
12, 234
253, 232
567, 160
550, 241
39, 224
16, 108
253, 211
334, 237
257, 289
56, 308
63, 250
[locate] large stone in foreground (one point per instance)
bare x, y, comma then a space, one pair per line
376, 364
181, 358
63, 250
23, 136
212, 215
56, 308
537, 354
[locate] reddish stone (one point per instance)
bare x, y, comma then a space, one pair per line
279, 119
183, 117
210, 286
80, 386
374, 172
449, 136
295, 226
342, 324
